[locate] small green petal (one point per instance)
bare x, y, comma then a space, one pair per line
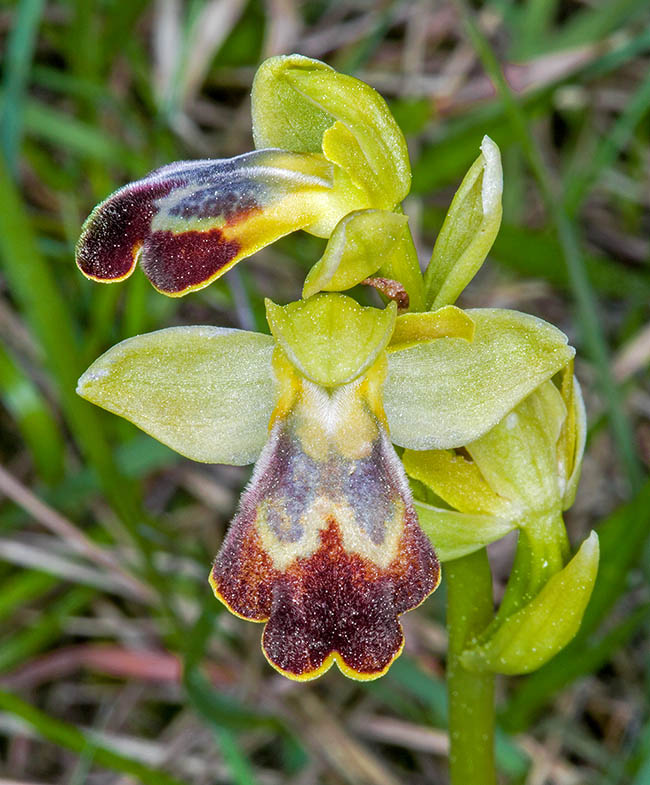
447, 393
456, 480
359, 245
341, 147
446, 322
206, 392
469, 230
542, 628
330, 338
455, 534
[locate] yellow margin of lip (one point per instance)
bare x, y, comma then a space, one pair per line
222, 599
135, 255
181, 292
333, 657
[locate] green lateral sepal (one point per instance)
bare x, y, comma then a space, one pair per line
449, 392
206, 392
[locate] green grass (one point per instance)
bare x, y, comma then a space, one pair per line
93, 95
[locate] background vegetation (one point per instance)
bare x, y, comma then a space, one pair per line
116, 663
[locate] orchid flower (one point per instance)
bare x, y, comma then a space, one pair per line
326, 548
329, 146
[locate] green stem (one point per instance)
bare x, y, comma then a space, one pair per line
471, 695
542, 550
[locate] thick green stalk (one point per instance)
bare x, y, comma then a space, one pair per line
471, 695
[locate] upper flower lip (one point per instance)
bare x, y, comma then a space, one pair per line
330, 147
191, 221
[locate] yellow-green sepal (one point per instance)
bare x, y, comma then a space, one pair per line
282, 117
519, 456
303, 105
454, 534
447, 393
530, 637
330, 338
206, 392
469, 229
447, 322
571, 445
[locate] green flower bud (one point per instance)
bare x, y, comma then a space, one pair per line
520, 474
469, 229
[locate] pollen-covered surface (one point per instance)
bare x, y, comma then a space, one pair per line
326, 547
193, 220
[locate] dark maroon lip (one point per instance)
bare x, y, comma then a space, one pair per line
333, 602
212, 194
176, 262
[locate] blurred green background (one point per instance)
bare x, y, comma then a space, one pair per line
116, 662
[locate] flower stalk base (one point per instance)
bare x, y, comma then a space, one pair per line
471, 695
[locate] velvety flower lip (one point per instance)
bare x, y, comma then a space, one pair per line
326, 548
191, 221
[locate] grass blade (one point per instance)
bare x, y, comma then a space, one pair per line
32, 415
610, 145
20, 49
17, 648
